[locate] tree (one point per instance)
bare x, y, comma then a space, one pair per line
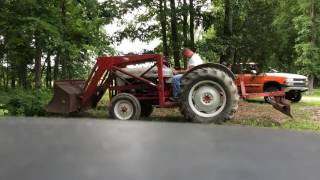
174, 35
163, 21
192, 18
307, 42
66, 31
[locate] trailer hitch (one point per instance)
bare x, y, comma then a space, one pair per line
281, 104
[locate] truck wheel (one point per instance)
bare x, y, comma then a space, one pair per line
146, 109
125, 107
267, 99
208, 95
294, 96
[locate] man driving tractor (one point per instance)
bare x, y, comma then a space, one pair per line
193, 60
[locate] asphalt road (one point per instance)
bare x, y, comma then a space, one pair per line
73, 149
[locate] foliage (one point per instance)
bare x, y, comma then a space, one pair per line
275, 33
66, 34
28, 103
307, 46
42, 41
147, 20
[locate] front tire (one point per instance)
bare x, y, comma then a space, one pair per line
267, 99
208, 95
125, 107
294, 96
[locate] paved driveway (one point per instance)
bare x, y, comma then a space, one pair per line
73, 149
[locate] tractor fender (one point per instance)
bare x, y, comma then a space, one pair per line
212, 65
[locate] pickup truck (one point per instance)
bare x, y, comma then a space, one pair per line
293, 84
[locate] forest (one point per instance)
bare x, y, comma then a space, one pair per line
42, 41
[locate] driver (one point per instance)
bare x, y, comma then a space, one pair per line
193, 60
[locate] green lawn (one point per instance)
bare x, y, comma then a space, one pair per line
256, 113
313, 93
303, 113
251, 113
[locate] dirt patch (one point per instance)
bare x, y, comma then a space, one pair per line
315, 111
317, 115
258, 111
246, 111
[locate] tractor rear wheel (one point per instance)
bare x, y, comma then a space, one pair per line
208, 95
125, 107
146, 109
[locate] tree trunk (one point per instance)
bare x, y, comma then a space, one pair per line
7, 78
163, 23
48, 71
37, 63
13, 79
313, 37
313, 22
174, 35
311, 82
56, 66
2, 71
23, 74
192, 14
185, 28
226, 56
63, 55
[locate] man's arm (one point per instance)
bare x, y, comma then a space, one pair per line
182, 71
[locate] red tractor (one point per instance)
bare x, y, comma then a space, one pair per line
207, 93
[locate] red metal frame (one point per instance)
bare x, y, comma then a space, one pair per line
108, 66
245, 95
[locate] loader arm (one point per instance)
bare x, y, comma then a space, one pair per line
71, 96
103, 73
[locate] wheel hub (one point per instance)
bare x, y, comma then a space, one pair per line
123, 109
207, 98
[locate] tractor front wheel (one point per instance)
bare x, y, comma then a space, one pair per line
208, 95
125, 107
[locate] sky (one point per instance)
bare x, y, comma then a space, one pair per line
128, 46
137, 46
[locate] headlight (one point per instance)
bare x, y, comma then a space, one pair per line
289, 82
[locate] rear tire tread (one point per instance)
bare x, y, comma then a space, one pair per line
228, 112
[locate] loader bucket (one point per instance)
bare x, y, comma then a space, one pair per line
66, 97
282, 105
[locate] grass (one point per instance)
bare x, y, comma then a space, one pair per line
253, 113
303, 113
313, 93
303, 120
